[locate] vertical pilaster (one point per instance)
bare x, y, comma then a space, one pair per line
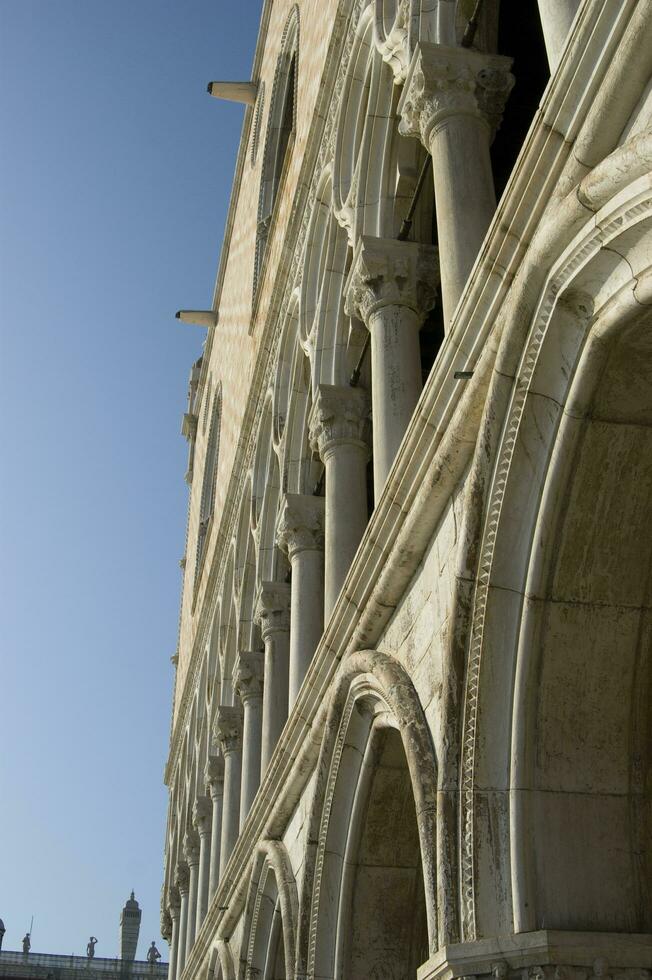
182, 881
391, 287
301, 533
273, 616
339, 432
453, 100
201, 819
214, 775
228, 731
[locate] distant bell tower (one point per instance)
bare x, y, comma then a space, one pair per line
129, 929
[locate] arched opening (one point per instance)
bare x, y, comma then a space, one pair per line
368, 893
591, 725
382, 928
270, 916
207, 502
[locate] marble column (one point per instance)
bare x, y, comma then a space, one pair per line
182, 881
391, 287
214, 776
339, 432
453, 99
273, 616
301, 534
228, 731
174, 907
249, 688
556, 19
191, 853
201, 819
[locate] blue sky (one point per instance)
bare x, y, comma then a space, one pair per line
115, 175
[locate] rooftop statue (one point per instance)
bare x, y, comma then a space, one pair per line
153, 954
90, 947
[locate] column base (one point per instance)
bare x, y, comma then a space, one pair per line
545, 955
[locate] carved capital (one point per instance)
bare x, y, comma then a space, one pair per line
202, 812
166, 925
248, 677
386, 272
228, 727
214, 774
443, 82
340, 415
301, 525
174, 902
191, 848
273, 608
182, 878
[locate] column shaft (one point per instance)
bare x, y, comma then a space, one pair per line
275, 692
192, 907
204, 875
273, 616
251, 743
174, 943
217, 795
465, 199
230, 804
397, 383
183, 924
339, 432
307, 623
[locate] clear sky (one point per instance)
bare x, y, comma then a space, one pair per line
115, 176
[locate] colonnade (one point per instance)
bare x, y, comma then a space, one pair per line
452, 100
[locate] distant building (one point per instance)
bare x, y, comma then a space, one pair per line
48, 966
129, 929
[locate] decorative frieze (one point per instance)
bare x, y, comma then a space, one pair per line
386, 272
272, 611
340, 414
248, 676
301, 525
445, 81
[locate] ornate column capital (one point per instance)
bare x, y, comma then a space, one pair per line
248, 675
301, 525
228, 727
166, 925
202, 812
339, 415
174, 902
273, 607
182, 878
214, 773
443, 82
386, 272
191, 848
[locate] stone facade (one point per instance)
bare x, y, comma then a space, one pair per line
412, 732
